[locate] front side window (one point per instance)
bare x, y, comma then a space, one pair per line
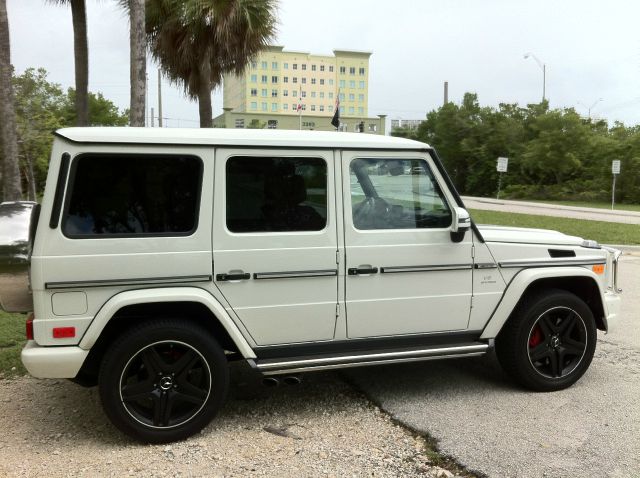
396, 194
130, 195
275, 194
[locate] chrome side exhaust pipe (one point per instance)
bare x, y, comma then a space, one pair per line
292, 380
270, 382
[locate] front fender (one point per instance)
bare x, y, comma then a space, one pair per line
519, 284
174, 294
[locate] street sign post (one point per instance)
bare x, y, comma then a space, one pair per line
615, 170
501, 167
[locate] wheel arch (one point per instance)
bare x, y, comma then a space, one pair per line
577, 280
129, 308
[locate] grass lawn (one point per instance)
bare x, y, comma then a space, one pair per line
603, 232
12, 340
598, 205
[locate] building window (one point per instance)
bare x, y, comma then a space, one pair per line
274, 65
274, 93
272, 124
341, 96
264, 65
373, 127
292, 193
330, 82
304, 94
361, 97
294, 93
285, 92
313, 81
254, 105
313, 94
295, 79
322, 81
342, 110
352, 97
313, 107
304, 81
352, 84
351, 110
352, 70
304, 67
330, 108
274, 79
361, 71
264, 92
295, 66
285, 66
362, 85
274, 106
285, 107
254, 64
321, 108
330, 68
322, 94
294, 106
313, 67
360, 110
342, 83
330, 95
264, 78
304, 107
343, 70
109, 195
254, 78
239, 123
264, 106
254, 92
321, 67
285, 79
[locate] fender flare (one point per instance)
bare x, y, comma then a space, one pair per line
173, 294
519, 285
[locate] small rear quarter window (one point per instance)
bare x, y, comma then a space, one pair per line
132, 195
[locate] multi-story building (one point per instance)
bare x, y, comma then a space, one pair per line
292, 89
406, 123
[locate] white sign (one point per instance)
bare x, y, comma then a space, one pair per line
615, 166
502, 165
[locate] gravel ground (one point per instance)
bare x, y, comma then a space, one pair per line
318, 428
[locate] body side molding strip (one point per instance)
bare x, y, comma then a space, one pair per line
295, 274
445, 267
548, 263
126, 282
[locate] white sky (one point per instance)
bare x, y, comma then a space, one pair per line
591, 49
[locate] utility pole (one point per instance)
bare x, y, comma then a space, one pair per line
446, 92
152, 125
159, 98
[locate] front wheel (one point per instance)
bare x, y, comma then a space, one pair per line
163, 380
549, 341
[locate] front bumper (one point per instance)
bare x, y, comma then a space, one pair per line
612, 302
52, 362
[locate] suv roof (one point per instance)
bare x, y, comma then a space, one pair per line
238, 137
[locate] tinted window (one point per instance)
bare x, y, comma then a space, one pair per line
396, 194
132, 195
269, 194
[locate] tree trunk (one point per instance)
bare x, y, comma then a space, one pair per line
81, 58
138, 62
32, 190
204, 97
12, 189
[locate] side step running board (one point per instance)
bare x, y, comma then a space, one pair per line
359, 359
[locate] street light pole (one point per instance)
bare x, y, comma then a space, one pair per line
543, 67
589, 108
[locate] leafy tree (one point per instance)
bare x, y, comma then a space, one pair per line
12, 189
81, 57
198, 41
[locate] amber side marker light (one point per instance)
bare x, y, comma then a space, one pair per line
598, 269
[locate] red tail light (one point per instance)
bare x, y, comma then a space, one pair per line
64, 332
29, 326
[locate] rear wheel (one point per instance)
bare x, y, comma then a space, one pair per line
549, 341
163, 380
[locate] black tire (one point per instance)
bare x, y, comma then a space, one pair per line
163, 380
549, 341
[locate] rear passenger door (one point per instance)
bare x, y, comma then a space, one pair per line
275, 241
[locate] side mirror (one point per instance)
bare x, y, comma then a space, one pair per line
461, 224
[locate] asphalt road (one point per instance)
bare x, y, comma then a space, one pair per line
488, 424
523, 207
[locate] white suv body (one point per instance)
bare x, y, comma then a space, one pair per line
293, 251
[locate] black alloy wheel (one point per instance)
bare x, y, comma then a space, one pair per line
163, 380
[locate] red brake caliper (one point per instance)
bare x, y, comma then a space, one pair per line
536, 337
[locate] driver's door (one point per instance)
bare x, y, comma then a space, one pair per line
403, 273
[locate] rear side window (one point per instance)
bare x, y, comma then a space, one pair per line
132, 195
275, 194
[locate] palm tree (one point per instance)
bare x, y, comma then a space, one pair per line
81, 57
138, 61
196, 42
12, 188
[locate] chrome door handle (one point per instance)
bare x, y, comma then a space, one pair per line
354, 271
234, 275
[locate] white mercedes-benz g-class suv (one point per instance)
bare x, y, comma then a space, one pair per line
158, 256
